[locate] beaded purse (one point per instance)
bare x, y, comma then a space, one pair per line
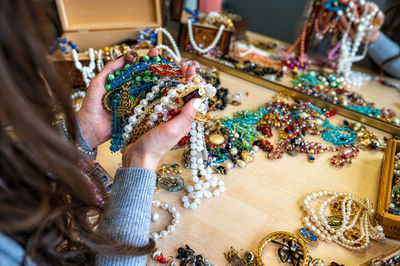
147, 93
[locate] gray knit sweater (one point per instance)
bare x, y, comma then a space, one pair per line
127, 218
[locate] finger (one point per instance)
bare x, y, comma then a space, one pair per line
183, 70
181, 124
109, 68
361, 7
378, 20
153, 52
190, 71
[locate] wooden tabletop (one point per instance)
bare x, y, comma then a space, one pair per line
263, 197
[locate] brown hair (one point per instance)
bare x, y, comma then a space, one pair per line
44, 198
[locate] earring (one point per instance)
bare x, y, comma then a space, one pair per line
234, 259
169, 178
159, 257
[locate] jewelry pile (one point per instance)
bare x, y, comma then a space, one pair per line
147, 93
169, 178
334, 89
394, 206
349, 222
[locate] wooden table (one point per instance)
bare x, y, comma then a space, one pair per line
262, 197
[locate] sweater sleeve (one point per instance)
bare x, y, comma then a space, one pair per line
128, 215
382, 49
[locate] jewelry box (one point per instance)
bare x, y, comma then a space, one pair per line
203, 34
387, 214
97, 24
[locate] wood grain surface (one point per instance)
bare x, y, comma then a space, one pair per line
263, 197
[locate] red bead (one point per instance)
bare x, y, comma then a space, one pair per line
330, 114
182, 142
163, 260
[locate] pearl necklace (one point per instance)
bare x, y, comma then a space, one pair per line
87, 71
360, 222
176, 55
194, 44
350, 48
140, 109
205, 185
155, 217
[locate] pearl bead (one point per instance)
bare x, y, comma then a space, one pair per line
153, 117
186, 205
171, 228
125, 136
158, 109
155, 89
132, 120
138, 110
163, 233
128, 128
164, 100
155, 217
155, 236
180, 87
143, 102
172, 93
185, 199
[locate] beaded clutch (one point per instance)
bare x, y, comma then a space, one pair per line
148, 93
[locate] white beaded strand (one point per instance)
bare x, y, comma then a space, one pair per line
361, 221
87, 71
176, 55
155, 217
211, 46
350, 48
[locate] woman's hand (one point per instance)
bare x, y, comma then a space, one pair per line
94, 120
326, 18
147, 151
373, 32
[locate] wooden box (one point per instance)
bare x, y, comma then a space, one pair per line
389, 221
204, 34
96, 24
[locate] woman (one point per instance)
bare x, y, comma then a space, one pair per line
44, 198
384, 35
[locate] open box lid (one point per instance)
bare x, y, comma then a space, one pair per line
84, 15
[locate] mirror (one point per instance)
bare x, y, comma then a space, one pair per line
262, 34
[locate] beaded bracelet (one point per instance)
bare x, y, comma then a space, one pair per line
286, 236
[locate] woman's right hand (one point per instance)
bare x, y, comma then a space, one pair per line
147, 151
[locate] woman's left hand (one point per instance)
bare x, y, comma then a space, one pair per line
94, 120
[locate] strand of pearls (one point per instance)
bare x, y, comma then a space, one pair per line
99, 61
176, 55
361, 221
350, 48
211, 46
155, 217
205, 185
87, 71
140, 109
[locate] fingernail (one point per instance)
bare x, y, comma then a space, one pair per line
196, 104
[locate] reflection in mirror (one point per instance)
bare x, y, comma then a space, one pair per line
343, 52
